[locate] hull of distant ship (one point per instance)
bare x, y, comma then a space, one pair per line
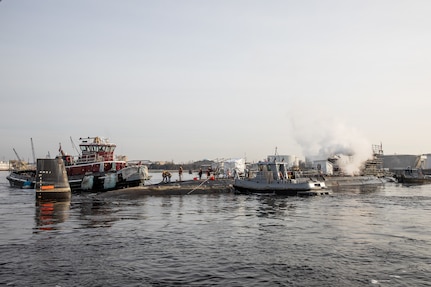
22, 179
4, 167
414, 180
336, 181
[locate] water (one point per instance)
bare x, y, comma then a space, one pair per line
377, 236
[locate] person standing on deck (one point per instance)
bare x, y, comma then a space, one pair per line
200, 173
164, 176
180, 173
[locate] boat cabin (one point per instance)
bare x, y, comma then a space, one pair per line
97, 156
275, 171
96, 149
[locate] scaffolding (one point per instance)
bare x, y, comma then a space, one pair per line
374, 166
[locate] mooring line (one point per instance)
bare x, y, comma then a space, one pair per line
198, 186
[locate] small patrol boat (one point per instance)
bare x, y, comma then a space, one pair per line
275, 177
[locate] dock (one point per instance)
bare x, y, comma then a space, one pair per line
219, 186
188, 187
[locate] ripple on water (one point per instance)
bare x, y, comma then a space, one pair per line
355, 237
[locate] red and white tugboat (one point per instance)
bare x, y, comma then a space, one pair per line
96, 169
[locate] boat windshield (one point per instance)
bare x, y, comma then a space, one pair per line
96, 148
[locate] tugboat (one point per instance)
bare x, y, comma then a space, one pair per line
95, 169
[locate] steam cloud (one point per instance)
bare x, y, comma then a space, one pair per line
322, 137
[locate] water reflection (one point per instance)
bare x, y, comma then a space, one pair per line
274, 206
50, 213
358, 189
94, 212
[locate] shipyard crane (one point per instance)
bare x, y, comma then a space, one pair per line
32, 150
17, 156
20, 163
420, 161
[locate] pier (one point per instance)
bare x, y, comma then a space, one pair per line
175, 188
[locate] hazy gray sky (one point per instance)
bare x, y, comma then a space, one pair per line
189, 80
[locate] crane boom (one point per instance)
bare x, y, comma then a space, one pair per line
17, 156
32, 150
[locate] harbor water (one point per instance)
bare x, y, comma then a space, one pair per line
363, 236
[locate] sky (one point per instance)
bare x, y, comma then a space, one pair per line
190, 80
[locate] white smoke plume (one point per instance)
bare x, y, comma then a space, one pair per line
322, 137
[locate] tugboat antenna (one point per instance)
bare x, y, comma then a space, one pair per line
74, 146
